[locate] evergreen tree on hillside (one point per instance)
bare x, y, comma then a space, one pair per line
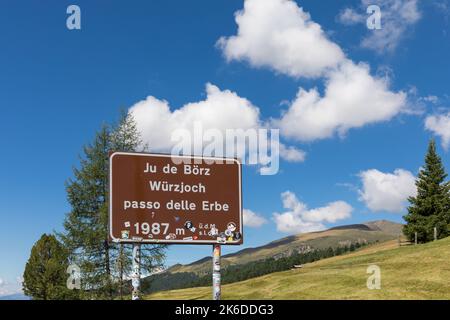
103, 264
430, 208
126, 138
45, 276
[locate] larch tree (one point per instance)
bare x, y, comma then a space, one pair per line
103, 264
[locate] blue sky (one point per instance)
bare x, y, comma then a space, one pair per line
57, 87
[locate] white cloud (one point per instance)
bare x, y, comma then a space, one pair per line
349, 16
7, 288
387, 191
440, 126
352, 99
280, 35
252, 219
298, 218
397, 18
292, 154
332, 212
219, 111
432, 99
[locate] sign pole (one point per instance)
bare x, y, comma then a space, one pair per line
136, 276
216, 272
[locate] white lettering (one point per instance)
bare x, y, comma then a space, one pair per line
214, 206
127, 204
177, 187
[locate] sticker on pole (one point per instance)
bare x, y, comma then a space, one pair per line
156, 198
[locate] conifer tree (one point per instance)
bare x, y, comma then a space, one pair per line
45, 276
430, 208
85, 234
126, 138
103, 264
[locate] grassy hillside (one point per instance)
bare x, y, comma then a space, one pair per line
412, 272
368, 232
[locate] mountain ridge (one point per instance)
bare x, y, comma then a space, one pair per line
370, 231
15, 296
415, 272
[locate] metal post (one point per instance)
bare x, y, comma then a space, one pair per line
121, 271
136, 275
216, 272
415, 237
435, 233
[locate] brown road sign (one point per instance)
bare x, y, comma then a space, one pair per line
156, 198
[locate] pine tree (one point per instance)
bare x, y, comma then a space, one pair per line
45, 276
430, 208
103, 264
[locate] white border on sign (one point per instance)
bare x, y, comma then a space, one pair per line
118, 240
